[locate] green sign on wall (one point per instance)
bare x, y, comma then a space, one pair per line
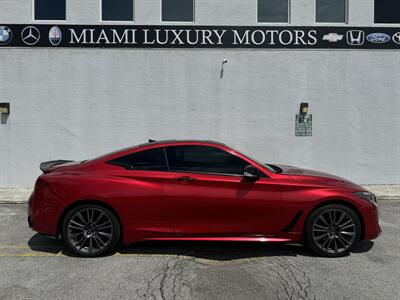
303, 125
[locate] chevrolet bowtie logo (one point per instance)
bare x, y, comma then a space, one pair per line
333, 37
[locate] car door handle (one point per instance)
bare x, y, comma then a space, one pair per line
186, 179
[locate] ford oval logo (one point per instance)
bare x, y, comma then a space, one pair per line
378, 38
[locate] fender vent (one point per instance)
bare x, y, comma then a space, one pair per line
293, 222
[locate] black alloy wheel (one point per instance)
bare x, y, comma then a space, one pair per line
91, 230
332, 230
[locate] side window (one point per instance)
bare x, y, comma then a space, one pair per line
177, 10
387, 11
331, 11
49, 9
273, 11
121, 10
203, 159
149, 160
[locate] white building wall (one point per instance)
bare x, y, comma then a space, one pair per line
79, 103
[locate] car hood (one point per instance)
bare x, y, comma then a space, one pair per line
317, 177
291, 170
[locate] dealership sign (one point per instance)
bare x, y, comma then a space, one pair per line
120, 36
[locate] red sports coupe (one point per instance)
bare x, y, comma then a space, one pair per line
200, 191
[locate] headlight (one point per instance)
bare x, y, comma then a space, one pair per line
367, 196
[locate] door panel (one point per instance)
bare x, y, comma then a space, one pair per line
138, 195
222, 205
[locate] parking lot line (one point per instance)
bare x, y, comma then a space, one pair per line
14, 247
30, 254
20, 251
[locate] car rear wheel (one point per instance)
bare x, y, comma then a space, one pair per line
332, 230
91, 230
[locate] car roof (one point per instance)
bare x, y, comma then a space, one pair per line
166, 142
150, 144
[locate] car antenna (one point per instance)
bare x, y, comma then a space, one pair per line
152, 141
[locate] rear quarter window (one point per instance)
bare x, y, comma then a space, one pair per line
147, 160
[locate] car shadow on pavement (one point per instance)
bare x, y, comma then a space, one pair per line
218, 251
43, 243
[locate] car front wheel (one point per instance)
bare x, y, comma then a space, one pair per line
332, 230
91, 230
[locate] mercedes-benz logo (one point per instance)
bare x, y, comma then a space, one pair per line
30, 35
396, 38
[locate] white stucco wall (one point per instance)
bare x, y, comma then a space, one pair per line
79, 103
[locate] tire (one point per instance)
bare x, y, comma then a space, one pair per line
91, 230
332, 230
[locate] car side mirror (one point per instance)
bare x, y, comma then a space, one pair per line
251, 173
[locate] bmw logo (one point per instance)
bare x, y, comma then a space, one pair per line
55, 36
5, 35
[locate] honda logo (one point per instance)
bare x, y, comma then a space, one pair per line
355, 37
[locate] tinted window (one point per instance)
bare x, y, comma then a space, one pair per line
273, 11
204, 159
49, 9
151, 160
333, 11
177, 10
121, 10
387, 11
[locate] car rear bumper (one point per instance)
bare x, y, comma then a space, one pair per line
42, 214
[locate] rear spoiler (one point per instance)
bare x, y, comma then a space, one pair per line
45, 166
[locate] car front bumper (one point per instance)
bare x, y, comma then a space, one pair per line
372, 230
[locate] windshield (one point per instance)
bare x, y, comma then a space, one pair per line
269, 167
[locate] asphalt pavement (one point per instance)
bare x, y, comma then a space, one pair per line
35, 267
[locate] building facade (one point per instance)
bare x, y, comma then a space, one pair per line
77, 99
